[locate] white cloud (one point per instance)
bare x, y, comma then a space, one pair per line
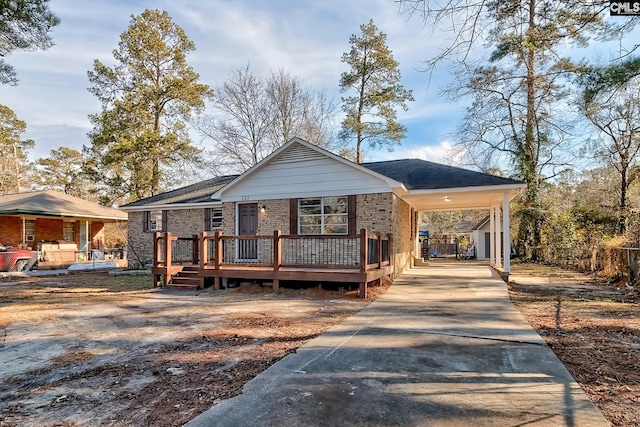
438, 153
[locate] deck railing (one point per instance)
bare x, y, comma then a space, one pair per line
362, 252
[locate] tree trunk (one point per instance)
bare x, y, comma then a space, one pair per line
16, 166
532, 220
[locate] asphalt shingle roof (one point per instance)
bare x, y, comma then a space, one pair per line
55, 203
194, 193
418, 174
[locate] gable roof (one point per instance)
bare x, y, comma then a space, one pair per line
418, 174
481, 223
200, 192
55, 203
297, 149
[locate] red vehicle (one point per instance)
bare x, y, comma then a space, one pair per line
14, 259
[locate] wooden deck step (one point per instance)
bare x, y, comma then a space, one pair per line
186, 280
182, 286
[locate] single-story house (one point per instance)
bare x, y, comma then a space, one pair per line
64, 228
304, 209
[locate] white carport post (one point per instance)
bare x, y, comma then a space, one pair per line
492, 231
492, 237
506, 233
497, 241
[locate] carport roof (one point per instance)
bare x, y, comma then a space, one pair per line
418, 174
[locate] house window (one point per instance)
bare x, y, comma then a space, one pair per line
215, 218
154, 221
323, 215
69, 231
30, 230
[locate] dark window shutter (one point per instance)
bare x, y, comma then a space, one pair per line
293, 216
145, 221
164, 221
414, 224
207, 219
351, 215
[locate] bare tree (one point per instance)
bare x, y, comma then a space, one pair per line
615, 112
257, 115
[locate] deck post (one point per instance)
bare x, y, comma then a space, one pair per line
277, 258
217, 257
390, 249
204, 250
156, 257
364, 258
167, 257
195, 248
203, 257
380, 250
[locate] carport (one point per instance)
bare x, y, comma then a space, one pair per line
493, 198
429, 186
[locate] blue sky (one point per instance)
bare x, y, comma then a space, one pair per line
305, 38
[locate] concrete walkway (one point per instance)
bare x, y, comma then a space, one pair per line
444, 347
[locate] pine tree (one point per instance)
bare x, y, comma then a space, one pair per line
375, 78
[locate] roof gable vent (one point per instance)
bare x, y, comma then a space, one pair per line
297, 153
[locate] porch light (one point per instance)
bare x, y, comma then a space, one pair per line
447, 199
263, 209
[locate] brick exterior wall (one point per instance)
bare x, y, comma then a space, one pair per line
185, 222
10, 230
229, 219
140, 242
403, 243
49, 229
276, 217
374, 212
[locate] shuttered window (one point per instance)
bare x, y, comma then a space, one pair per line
214, 218
323, 215
155, 220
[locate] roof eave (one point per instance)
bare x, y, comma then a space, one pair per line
511, 188
60, 214
171, 206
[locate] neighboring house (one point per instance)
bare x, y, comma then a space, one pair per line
65, 227
314, 199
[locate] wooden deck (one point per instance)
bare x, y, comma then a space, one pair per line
360, 258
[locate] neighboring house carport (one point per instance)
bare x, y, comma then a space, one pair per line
435, 187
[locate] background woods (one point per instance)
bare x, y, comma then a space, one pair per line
567, 126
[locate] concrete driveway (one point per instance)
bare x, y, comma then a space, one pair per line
444, 347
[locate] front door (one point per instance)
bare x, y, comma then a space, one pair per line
248, 226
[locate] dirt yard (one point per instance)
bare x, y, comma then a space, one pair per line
594, 328
90, 349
